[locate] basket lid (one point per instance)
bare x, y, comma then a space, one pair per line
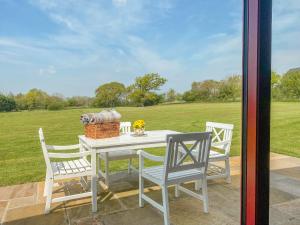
107, 115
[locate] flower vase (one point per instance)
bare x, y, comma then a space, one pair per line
139, 131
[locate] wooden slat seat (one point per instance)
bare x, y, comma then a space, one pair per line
221, 140
57, 170
213, 155
155, 174
70, 167
177, 168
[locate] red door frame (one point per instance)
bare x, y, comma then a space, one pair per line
256, 112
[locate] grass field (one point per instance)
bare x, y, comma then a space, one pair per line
22, 160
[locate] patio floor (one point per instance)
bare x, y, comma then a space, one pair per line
24, 204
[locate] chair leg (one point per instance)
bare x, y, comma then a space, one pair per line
129, 165
100, 172
46, 184
106, 161
141, 190
99, 165
49, 196
166, 205
205, 195
197, 185
227, 168
177, 192
84, 183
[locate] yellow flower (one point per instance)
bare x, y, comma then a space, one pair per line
139, 124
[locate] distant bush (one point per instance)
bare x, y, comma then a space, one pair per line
55, 106
56, 102
229, 89
79, 101
21, 101
189, 96
290, 85
36, 99
7, 103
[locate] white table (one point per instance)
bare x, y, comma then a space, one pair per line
153, 139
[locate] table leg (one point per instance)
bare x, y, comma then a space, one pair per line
83, 180
94, 180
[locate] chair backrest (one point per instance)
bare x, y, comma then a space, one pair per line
221, 132
44, 149
182, 159
125, 127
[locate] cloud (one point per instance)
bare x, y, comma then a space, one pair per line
47, 71
99, 41
119, 3
285, 35
91, 32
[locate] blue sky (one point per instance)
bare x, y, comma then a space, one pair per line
73, 46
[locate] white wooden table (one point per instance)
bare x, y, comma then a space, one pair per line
153, 139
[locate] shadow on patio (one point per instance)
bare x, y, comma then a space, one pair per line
24, 204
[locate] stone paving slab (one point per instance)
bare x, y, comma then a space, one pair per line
278, 217
18, 191
285, 183
3, 207
291, 208
118, 205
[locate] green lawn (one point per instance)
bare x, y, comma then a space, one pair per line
22, 160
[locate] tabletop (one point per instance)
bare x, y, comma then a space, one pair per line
150, 137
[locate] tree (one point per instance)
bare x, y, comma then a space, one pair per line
20, 101
36, 99
206, 90
189, 96
79, 101
152, 98
290, 84
7, 103
142, 93
276, 86
231, 88
110, 95
56, 102
149, 82
171, 95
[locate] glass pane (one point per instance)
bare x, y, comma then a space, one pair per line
163, 65
285, 126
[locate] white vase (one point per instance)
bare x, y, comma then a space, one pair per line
139, 131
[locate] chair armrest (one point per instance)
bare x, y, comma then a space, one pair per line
219, 143
69, 155
62, 147
146, 155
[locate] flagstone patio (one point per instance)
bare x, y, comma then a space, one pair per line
118, 205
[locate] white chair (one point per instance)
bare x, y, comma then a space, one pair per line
177, 169
63, 169
125, 128
221, 140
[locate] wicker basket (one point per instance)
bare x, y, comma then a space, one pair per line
102, 130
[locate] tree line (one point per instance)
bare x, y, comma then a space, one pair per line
38, 99
145, 92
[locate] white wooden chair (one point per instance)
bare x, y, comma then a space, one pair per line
221, 140
177, 169
125, 128
63, 169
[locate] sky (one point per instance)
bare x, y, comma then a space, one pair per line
73, 46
